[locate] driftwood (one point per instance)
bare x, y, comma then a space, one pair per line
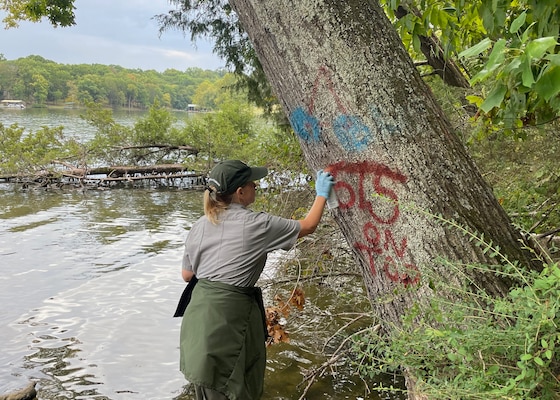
120, 171
111, 174
27, 393
189, 149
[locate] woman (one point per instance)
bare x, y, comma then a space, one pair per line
223, 331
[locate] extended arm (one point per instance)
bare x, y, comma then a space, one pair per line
323, 187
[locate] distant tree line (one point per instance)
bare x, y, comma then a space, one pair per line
41, 82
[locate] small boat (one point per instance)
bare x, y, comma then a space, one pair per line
13, 104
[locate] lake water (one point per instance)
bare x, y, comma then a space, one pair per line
33, 119
89, 282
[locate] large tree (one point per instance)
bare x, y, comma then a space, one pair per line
361, 109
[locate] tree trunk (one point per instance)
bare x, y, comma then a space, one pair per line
360, 108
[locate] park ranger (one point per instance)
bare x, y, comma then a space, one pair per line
223, 330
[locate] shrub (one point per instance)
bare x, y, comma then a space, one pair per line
478, 347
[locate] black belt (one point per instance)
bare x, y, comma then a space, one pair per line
185, 297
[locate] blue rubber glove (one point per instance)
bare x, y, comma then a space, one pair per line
323, 183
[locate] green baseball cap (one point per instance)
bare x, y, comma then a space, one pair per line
228, 175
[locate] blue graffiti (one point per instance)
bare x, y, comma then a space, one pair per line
352, 133
305, 125
350, 130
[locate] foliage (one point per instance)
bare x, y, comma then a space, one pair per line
465, 344
522, 172
58, 12
525, 176
225, 133
508, 47
39, 82
156, 128
23, 153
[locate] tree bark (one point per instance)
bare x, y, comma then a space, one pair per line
361, 109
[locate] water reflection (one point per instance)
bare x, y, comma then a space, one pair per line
113, 333
21, 203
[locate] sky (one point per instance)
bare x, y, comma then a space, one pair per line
110, 32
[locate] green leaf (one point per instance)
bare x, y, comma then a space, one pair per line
452, 357
539, 361
548, 84
512, 66
494, 61
553, 58
526, 357
518, 22
416, 42
538, 47
525, 35
493, 369
476, 49
527, 73
495, 98
497, 55
476, 100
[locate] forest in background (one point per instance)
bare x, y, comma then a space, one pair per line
40, 82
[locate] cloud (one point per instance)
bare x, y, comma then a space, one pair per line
111, 32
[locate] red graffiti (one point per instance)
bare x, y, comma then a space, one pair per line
407, 274
324, 74
374, 183
377, 173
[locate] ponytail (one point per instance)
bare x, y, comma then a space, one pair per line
215, 204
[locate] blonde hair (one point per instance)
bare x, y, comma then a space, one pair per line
215, 204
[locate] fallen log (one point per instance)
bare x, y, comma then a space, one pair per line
111, 174
27, 393
189, 149
116, 171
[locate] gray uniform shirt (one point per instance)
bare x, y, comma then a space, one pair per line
234, 251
